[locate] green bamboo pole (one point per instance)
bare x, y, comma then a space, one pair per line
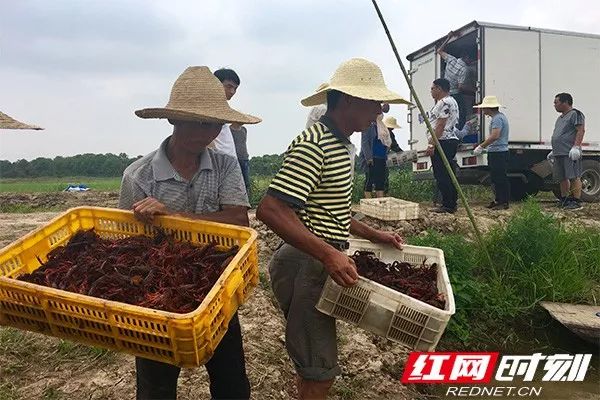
435, 139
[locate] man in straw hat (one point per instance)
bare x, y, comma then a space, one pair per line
308, 206
496, 145
184, 177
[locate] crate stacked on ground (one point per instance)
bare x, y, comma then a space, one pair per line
186, 340
386, 312
397, 159
389, 208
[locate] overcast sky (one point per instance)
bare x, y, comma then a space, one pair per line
80, 68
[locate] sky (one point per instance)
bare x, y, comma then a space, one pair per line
81, 68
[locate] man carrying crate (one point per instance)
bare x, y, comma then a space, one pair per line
184, 177
308, 206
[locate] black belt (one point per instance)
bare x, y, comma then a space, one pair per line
339, 245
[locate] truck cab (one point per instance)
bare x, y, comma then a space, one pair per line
525, 68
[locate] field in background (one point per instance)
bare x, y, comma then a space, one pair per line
51, 184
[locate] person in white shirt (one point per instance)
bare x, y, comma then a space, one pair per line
231, 81
444, 117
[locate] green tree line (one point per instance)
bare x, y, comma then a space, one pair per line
104, 165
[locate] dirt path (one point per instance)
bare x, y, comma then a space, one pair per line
33, 366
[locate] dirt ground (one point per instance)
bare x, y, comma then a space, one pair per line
33, 366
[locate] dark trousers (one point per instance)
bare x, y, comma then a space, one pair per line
462, 109
226, 370
442, 178
245, 167
498, 163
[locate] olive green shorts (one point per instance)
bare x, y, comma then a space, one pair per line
297, 280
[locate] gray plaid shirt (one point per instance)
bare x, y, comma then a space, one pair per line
218, 182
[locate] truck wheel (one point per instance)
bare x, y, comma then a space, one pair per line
520, 190
590, 181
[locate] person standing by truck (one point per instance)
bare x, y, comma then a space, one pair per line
457, 73
566, 151
496, 145
443, 117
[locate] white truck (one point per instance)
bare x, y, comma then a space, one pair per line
525, 68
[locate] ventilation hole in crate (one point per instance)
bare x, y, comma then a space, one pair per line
10, 266
58, 236
404, 325
145, 337
90, 336
402, 337
346, 314
410, 314
80, 323
414, 258
27, 323
140, 348
352, 303
23, 310
21, 298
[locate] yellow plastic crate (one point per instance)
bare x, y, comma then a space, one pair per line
186, 340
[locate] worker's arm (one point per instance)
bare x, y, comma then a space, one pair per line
441, 50
282, 219
233, 200
439, 128
494, 135
146, 209
358, 228
579, 135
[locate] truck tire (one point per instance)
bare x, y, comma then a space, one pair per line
590, 181
520, 190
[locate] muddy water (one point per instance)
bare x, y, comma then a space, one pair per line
549, 338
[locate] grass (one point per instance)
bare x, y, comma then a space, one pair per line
68, 350
37, 185
534, 258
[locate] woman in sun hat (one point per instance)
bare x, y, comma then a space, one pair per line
7, 122
308, 206
184, 177
496, 145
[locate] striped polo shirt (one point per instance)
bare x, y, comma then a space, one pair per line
316, 179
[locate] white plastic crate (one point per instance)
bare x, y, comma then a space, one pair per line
389, 208
386, 312
397, 159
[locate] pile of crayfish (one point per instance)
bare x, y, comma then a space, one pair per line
418, 282
155, 272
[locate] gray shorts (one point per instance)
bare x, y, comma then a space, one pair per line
310, 336
565, 168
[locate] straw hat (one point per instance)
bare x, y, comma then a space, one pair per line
198, 95
359, 78
390, 122
7, 122
489, 102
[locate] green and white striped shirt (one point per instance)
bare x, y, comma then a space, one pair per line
316, 179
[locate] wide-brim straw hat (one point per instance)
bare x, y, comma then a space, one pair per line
391, 123
360, 78
489, 102
198, 96
7, 122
